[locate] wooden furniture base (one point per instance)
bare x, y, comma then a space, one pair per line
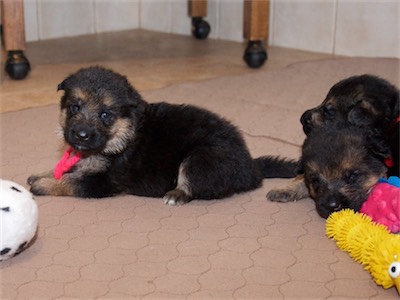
17, 65
255, 27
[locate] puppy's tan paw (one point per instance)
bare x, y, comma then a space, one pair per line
282, 195
294, 191
36, 177
176, 197
41, 186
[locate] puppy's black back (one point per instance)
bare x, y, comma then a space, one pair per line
219, 161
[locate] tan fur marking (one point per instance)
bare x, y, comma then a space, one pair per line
183, 182
51, 186
79, 94
121, 132
312, 192
371, 181
295, 190
108, 100
92, 164
62, 119
316, 118
368, 107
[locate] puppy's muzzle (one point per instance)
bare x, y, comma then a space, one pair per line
82, 133
330, 204
83, 138
306, 121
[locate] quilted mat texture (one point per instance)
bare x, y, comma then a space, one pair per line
240, 247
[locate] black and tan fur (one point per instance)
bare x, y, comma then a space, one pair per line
129, 146
364, 101
341, 165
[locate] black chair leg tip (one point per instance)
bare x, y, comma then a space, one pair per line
17, 65
200, 28
255, 54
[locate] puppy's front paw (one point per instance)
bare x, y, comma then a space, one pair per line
176, 197
32, 179
41, 186
282, 195
36, 177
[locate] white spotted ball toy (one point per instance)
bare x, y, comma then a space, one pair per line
18, 217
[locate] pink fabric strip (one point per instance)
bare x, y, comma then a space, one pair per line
66, 163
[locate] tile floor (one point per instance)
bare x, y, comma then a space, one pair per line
244, 247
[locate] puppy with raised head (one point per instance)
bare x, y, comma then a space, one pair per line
364, 101
120, 144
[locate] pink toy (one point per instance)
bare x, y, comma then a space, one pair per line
383, 204
69, 159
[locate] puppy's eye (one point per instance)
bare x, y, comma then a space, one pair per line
315, 181
315, 185
105, 116
74, 108
328, 111
352, 176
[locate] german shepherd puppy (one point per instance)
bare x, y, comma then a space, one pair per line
341, 165
364, 101
129, 146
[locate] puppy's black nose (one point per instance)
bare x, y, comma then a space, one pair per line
334, 204
82, 134
305, 119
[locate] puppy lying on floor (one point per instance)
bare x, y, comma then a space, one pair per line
364, 101
341, 165
121, 144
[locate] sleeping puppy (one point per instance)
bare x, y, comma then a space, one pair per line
120, 144
341, 165
363, 101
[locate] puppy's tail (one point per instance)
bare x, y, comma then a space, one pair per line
276, 167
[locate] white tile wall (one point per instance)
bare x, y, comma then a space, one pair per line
213, 12
231, 20
156, 15
31, 20
181, 23
116, 15
368, 28
346, 27
58, 18
307, 24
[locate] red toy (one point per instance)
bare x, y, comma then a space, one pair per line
69, 159
383, 203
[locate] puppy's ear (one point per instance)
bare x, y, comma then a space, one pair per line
134, 98
396, 106
377, 145
362, 114
60, 86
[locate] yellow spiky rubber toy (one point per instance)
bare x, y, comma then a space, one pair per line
368, 243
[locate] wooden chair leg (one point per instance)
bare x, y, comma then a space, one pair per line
255, 30
17, 65
197, 11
